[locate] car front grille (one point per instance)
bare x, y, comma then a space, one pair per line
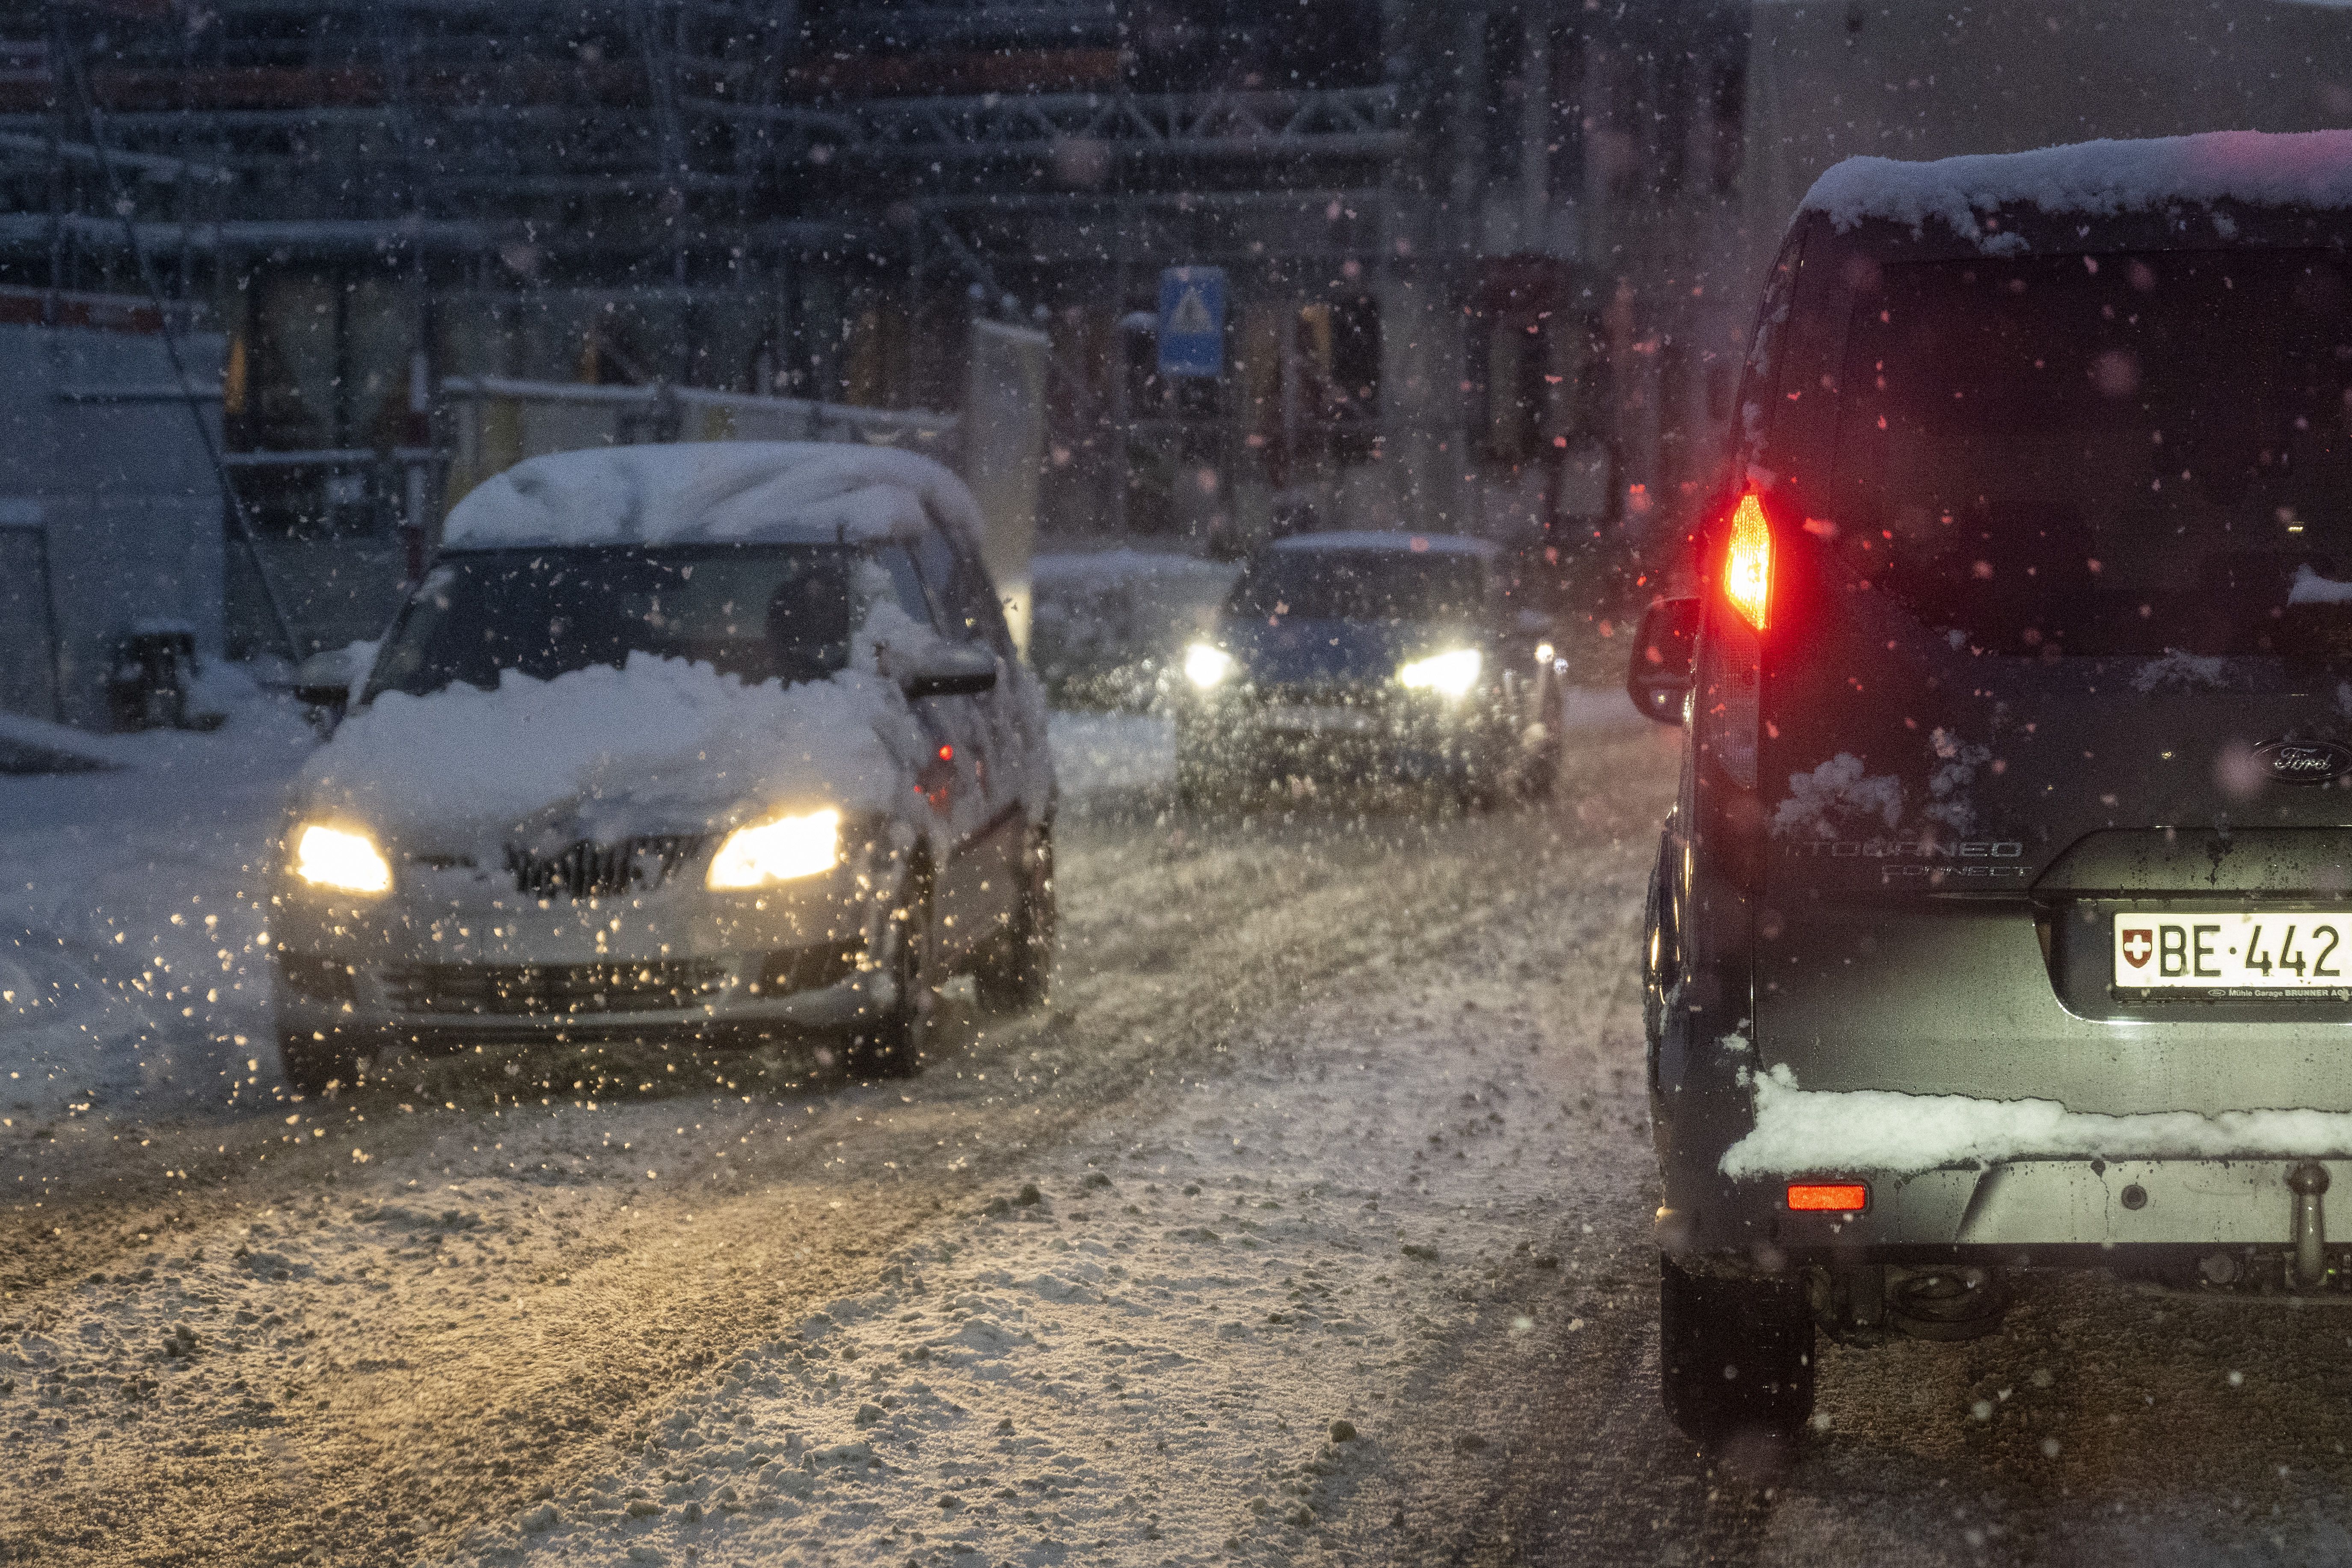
501, 990
316, 979
593, 870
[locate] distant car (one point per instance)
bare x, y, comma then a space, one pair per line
2004, 919
1377, 657
692, 742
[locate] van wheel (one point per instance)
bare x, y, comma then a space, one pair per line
890, 1043
1736, 1359
1015, 979
1197, 774
311, 1065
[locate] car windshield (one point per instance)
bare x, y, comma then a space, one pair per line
761, 612
1359, 586
2048, 456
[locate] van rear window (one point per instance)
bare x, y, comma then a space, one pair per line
2095, 455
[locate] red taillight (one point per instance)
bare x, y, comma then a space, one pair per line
1829, 1197
1748, 563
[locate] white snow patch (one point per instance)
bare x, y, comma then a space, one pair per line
29, 745
2311, 168
1957, 762
1799, 1130
2310, 589
707, 490
2179, 669
1820, 803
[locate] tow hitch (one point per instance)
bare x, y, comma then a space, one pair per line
2308, 1182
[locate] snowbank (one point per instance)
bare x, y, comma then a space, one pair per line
132, 962
37, 746
710, 491
653, 746
1799, 1130
2310, 168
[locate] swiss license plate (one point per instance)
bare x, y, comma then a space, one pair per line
1319, 721
2305, 951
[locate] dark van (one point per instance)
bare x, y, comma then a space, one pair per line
2004, 919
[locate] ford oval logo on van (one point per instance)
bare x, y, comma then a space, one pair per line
2304, 761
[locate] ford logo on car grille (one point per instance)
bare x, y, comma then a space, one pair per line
2304, 761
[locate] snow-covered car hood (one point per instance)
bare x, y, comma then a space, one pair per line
656, 746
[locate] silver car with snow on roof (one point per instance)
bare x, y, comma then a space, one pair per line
2004, 919
687, 742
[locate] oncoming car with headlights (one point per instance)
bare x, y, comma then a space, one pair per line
1371, 656
708, 743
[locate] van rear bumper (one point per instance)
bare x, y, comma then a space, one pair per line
2021, 1209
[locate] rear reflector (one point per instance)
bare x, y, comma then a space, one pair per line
1748, 562
1829, 1197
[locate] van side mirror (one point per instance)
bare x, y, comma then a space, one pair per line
324, 680
1658, 675
944, 669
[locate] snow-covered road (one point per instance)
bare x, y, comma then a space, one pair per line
1310, 1226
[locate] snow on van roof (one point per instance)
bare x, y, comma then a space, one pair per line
2257, 168
709, 492
1417, 544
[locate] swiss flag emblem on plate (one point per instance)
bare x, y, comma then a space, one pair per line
2139, 947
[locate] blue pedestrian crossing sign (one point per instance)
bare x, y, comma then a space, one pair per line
1192, 321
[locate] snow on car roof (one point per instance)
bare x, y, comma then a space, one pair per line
710, 492
2308, 168
1417, 544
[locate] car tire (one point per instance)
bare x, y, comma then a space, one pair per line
1018, 977
890, 1044
1475, 788
1735, 1359
312, 1067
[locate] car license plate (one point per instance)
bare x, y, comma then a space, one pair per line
2301, 951
1319, 721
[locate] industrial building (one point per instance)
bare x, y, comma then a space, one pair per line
1465, 248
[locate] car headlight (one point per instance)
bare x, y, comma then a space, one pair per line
777, 850
1205, 665
336, 857
1450, 674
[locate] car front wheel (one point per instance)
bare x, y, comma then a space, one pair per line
312, 1067
888, 1041
1735, 1358
1015, 978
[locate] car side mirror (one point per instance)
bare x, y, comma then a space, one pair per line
945, 669
1658, 675
324, 680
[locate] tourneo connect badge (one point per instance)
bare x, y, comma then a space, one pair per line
2304, 761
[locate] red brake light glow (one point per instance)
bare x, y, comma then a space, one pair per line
1748, 563
1828, 1197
